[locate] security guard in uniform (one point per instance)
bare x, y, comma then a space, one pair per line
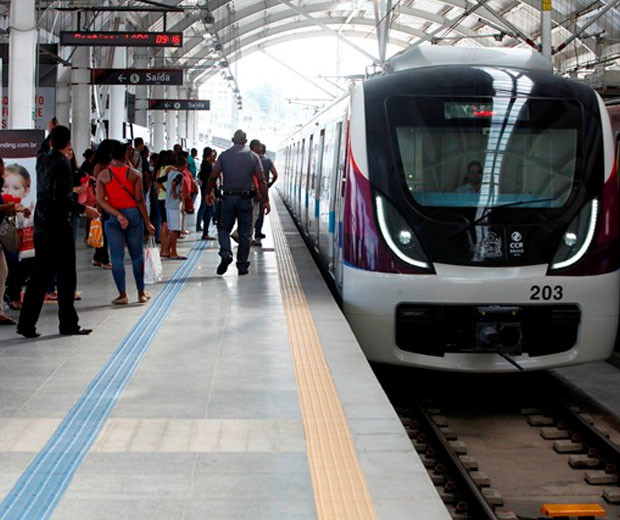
238, 166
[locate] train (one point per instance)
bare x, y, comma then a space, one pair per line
464, 207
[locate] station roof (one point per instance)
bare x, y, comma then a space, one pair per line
585, 33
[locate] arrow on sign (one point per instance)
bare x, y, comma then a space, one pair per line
121, 78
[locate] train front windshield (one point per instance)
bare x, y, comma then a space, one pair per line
483, 152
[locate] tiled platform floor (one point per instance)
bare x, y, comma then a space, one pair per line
209, 426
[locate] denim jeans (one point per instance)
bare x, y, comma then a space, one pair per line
133, 236
235, 207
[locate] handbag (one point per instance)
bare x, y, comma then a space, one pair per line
87, 197
152, 263
9, 237
95, 233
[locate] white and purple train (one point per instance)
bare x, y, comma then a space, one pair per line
465, 205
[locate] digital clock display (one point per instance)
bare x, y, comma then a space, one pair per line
121, 39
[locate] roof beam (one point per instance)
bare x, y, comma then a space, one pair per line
450, 25
582, 29
258, 30
255, 43
328, 29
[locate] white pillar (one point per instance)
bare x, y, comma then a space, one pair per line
80, 100
545, 28
182, 121
63, 95
141, 61
22, 63
191, 128
117, 113
171, 117
159, 142
192, 120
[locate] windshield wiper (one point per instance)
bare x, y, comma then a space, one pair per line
488, 210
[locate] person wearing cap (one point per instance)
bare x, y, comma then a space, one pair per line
238, 167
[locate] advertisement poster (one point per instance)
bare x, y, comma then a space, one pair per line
18, 149
45, 94
44, 107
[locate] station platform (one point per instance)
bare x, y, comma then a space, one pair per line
225, 397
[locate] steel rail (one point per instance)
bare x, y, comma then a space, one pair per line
466, 489
606, 451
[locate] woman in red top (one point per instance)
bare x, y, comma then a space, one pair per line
119, 193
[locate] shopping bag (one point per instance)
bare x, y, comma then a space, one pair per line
9, 236
95, 233
152, 263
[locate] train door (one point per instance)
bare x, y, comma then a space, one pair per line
308, 170
338, 201
284, 173
293, 170
315, 193
298, 183
323, 192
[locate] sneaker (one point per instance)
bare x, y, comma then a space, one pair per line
243, 271
256, 242
51, 297
76, 332
260, 235
223, 267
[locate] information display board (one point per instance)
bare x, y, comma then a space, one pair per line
122, 38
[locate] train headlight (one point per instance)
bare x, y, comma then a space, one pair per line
578, 237
570, 239
399, 237
405, 237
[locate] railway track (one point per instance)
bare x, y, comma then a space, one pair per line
499, 447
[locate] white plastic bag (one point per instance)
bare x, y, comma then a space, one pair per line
152, 263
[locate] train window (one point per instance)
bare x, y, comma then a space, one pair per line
488, 151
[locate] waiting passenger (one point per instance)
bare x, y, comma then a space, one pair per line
174, 205
119, 193
472, 180
205, 211
53, 236
268, 167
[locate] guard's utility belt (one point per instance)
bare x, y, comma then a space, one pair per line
245, 194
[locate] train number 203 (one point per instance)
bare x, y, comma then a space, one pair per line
546, 292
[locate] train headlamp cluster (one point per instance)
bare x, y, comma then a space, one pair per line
399, 236
578, 237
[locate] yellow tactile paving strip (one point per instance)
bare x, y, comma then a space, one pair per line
340, 489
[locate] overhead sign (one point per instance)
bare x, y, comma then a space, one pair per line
122, 38
179, 104
136, 76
